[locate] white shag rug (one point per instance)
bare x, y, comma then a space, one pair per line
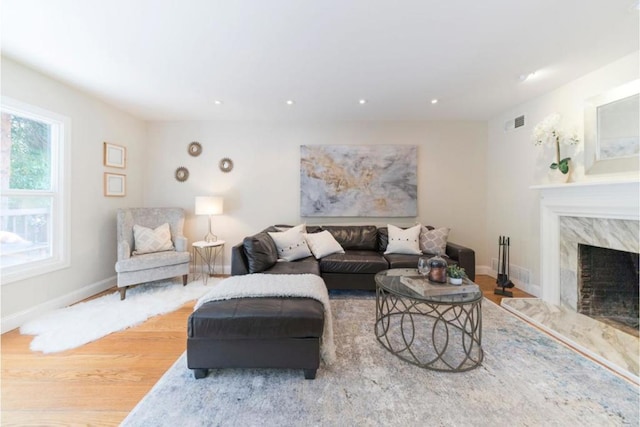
79, 324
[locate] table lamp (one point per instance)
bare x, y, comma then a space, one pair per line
207, 205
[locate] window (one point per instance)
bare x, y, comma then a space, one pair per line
34, 197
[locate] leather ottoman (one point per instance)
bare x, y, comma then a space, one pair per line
266, 332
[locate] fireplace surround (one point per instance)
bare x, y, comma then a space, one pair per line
598, 213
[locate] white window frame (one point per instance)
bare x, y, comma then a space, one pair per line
60, 192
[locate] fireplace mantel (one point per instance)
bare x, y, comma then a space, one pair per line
590, 199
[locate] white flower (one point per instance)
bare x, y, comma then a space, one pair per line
548, 131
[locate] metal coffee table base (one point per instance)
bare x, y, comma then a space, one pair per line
434, 335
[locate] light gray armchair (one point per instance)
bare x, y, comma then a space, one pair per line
134, 269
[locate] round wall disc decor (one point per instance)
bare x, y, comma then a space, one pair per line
226, 164
182, 174
195, 149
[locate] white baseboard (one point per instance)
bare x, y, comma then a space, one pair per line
16, 320
483, 269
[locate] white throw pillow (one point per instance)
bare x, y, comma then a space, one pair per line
291, 243
147, 240
404, 241
434, 241
323, 244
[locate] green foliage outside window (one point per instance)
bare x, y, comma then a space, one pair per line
30, 154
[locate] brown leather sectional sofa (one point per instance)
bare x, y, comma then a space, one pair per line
364, 256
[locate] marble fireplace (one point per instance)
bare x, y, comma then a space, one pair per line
599, 214
574, 216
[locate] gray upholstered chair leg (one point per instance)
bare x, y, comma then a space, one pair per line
123, 293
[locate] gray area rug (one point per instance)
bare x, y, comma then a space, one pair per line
526, 379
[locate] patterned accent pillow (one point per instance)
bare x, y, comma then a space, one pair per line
147, 240
291, 243
405, 241
434, 241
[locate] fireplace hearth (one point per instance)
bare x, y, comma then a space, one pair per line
608, 282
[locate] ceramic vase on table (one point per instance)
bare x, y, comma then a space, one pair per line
455, 280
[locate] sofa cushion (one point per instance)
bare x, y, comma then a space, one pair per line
404, 241
261, 252
323, 244
356, 237
291, 243
433, 240
307, 265
383, 238
402, 260
354, 262
285, 227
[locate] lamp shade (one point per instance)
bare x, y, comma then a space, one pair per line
206, 205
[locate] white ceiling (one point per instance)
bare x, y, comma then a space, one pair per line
169, 60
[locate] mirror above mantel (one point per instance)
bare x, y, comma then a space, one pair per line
612, 131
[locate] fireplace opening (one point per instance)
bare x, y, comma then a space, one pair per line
608, 282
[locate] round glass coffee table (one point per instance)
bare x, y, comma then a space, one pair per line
430, 325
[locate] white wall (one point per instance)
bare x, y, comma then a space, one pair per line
514, 163
263, 188
93, 226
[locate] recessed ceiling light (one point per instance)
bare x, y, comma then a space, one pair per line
434, 101
217, 102
362, 101
289, 101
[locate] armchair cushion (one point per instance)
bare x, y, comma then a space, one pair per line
152, 260
149, 240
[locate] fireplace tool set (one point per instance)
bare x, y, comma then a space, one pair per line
503, 281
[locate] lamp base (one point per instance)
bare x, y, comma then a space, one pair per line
210, 237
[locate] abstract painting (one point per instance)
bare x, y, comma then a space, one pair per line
358, 180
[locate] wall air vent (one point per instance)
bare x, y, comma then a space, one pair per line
519, 121
513, 124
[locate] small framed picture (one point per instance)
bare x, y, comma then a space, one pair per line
115, 185
115, 156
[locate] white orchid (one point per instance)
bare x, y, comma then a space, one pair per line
548, 131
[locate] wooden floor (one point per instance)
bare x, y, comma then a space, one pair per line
99, 383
